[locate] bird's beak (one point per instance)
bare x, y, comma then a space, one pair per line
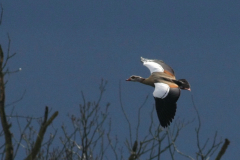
189, 89
128, 79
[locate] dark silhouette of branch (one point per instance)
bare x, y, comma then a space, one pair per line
18, 100
87, 140
41, 133
133, 155
173, 135
45, 116
215, 144
139, 116
111, 143
5, 125
126, 117
223, 149
22, 134
4, 64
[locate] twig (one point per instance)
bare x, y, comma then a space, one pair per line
175, 147
139, 111
214, 146
125, 115
113, 147
22, 134
16, 100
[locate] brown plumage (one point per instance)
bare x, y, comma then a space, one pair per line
167, 88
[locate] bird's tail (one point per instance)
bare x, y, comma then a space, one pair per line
183, 84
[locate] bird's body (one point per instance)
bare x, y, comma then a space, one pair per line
160, 77
167, 88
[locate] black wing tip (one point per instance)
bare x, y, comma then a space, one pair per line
166, 111
166, 124
166, 121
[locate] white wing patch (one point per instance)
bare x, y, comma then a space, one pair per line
153, 67
161, 90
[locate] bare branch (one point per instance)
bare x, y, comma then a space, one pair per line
139, 111
223, 149
40, 136
45, 116
214, 146
89, 131
133, 155
113, 146
187, 156
22, 134
5, 125
16, 100
4, 64
125, 115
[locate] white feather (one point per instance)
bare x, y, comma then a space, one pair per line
153, 67
161, 90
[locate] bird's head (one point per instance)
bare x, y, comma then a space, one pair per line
135, 79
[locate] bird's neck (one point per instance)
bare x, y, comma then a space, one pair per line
142, 79
148, 81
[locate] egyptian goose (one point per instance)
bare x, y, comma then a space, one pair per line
167, 88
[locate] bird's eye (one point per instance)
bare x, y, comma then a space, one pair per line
132, 77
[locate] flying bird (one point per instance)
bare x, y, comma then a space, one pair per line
167, 88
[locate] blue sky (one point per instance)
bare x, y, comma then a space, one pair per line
67, 47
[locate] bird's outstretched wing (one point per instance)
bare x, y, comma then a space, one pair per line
155, 65
165, 99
